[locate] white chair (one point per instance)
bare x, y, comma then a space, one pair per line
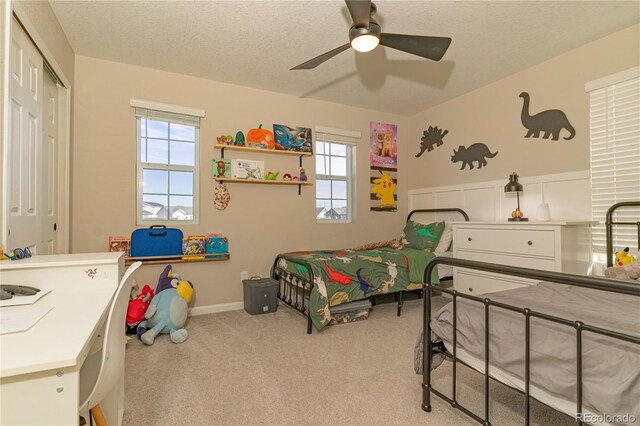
101, 371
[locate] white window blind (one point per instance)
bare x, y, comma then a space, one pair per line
615, 158
335, 175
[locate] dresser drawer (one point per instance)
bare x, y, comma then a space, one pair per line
510, 260
510, 241
476, 284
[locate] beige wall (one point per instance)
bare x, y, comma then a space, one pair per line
46, 24
491, 115
261, 220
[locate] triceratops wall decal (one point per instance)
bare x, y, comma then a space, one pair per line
477, 152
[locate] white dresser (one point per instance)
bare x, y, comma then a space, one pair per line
551, 246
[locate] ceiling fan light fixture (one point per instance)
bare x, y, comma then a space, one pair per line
365, 43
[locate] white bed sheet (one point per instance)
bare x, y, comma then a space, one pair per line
444, 270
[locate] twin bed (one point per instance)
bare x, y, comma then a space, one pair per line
571, 342
313, 281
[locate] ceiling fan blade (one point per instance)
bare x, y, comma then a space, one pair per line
320, 59
360, 11
428, 47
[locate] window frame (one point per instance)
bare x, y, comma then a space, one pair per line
349, 179
141, 166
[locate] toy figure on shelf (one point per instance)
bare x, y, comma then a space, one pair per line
271, 175
239, 139
225, 140
295, 179
286, 177
303, 175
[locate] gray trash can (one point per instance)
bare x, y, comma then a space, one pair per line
260, 295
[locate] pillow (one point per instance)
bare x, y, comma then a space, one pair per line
422, 237
445, 239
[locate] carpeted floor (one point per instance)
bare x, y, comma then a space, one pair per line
241, 369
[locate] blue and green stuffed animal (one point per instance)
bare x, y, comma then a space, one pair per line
167, 313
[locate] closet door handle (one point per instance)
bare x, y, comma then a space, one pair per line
530, 243
469, 238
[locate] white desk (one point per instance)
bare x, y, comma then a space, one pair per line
40, 368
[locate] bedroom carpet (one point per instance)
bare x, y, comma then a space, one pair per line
241, 369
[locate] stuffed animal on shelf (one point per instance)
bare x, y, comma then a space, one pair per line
138, 305
623, 257
167, 313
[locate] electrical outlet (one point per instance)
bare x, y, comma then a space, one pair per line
244, 275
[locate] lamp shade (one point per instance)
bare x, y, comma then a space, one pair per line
513, 185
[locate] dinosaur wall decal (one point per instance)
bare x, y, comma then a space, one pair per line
550, 122
477, 152
430, 137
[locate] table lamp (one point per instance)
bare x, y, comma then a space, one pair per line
515, 186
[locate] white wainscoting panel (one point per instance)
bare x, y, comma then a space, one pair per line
568, 196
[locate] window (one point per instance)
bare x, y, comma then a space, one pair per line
335, 175
615, 156
167, 167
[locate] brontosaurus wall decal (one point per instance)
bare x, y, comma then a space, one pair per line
551, 122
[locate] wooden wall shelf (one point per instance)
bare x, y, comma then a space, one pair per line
157, 260
266, 151
273, 182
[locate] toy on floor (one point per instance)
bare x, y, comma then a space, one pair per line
167, 313
138, 305
623, 257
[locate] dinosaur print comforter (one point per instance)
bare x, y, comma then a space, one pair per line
341, 276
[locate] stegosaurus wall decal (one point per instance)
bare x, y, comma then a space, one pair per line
430, 138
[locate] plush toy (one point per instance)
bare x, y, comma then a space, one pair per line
623, 257
138, 305
629, 271
167, 313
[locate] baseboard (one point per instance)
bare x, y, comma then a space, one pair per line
212, 309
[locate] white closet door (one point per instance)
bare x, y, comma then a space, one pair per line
25, 180
49, 165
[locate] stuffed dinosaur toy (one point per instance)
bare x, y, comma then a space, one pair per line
167, 313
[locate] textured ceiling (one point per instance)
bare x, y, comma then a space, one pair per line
255, 43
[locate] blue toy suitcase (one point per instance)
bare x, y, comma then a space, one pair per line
157, 240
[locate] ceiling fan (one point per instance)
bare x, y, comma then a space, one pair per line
365, 35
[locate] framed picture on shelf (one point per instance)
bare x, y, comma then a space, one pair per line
247, 169
221, 168
292, 138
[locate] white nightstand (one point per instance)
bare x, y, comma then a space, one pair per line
551, 246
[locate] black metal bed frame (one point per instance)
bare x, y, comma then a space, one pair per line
293, 287
609, 226
430, 348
